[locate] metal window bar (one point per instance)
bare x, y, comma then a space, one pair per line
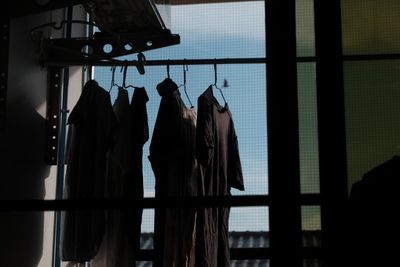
262, 60
241, 253
147, 203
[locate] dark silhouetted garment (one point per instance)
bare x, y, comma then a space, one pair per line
220, 170
125, 180
91, 126
374, 221
173, 160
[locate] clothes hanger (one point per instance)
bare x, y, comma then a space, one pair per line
185, 69
215, 81
113, 68
124, 79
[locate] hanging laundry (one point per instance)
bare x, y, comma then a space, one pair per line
91, 125
220, 170
125, 180
173, 160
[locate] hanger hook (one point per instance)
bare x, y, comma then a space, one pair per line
215, 81
113, 68
124, 76
141, 63
215, 71
168, 69
185, 69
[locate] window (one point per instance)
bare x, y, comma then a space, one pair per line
209, 31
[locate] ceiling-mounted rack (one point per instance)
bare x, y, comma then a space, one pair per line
102, 47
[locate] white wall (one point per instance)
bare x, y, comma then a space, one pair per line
27, 237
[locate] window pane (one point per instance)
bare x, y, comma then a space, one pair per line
247, 263
370, 27
144, 264
312, 263
146, 238
216, 30
246, 95
234, 263
311, 225
372, 98
308, 128
305, 33
248, 227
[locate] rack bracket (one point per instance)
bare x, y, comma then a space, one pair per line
53, 114
102, 47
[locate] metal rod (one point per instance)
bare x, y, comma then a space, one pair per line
166, 62
61, 150
161, 62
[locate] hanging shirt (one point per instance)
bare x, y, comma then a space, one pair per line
220, 170
91, 126
125, 180
173, 160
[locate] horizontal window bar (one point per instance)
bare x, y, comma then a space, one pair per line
355, 57
127, 203
242, 253
371, 57
147, 203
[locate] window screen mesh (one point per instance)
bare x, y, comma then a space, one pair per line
370, 27
312, 263
305, 34
311, 225
216, 30
208, 31
308, 128
372, 114
234, 263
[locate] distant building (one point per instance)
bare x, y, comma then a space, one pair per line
246, 240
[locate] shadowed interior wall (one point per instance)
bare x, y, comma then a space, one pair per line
27, 237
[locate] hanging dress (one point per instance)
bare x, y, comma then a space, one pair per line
173, 160
220, 170
125, 180
91, 126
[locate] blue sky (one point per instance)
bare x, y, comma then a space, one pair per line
229, 30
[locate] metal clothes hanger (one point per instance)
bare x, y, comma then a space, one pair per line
215, 81
113, 68
124, 80
185, 69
